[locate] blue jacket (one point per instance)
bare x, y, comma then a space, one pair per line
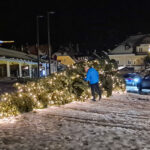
92, 76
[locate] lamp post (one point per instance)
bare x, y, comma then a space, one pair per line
49, 40
37, 34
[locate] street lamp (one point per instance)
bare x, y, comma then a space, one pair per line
49, 42
37, 34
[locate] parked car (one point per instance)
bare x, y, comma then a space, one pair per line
144, 84
132, 79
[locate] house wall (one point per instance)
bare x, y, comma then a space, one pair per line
142, 48
130, 60
124, 60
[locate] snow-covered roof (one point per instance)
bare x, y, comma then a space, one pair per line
121, 50
130, 42
9, 53
133, 39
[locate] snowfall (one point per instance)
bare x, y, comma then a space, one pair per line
120, 122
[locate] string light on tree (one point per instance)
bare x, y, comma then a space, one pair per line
60, 88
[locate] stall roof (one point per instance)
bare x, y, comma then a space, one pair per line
9, 53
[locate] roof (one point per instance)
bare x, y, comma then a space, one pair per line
65, 60
131, 41
9, 53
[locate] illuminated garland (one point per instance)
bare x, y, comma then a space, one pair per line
60, 88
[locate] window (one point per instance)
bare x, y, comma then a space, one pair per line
140, 49
117, 62
127, 46
129, 62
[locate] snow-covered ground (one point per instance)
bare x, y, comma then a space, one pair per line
121, 122
135, 89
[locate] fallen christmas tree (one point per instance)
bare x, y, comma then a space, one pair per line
61, 88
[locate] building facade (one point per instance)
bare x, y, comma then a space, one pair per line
131, 52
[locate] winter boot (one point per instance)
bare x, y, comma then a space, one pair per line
99, 97
93, 100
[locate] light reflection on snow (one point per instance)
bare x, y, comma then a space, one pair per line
135, 89
8, 120
132, 88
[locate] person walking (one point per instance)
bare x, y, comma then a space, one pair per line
92, 77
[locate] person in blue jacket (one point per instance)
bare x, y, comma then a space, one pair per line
92, 77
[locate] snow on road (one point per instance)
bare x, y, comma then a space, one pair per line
120, 122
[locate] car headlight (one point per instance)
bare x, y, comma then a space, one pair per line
136, 80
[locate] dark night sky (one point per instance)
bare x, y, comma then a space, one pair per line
94, 25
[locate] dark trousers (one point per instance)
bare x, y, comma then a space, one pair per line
95, 89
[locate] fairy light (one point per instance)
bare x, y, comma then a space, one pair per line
19, 87
73, 77
74, 67
20, 95
30, 94
5, 98
29, 89
77, 75
20, 90
17, 84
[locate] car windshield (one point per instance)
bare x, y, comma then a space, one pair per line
131, 75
